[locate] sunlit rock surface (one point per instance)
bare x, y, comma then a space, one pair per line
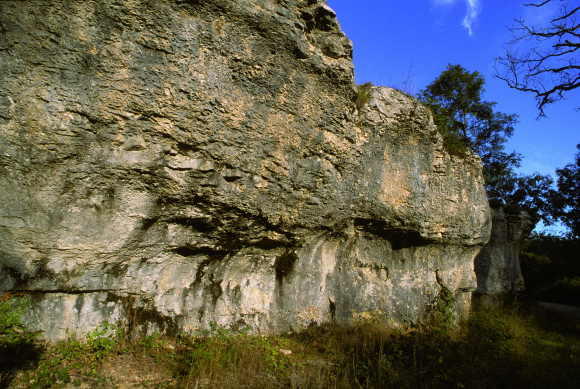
169, 164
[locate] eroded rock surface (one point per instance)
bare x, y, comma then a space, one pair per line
170, 164
497, 266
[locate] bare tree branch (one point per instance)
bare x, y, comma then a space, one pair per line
543, 60
537, 5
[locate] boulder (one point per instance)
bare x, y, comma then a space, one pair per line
174, 165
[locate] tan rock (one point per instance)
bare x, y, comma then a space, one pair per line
208, 165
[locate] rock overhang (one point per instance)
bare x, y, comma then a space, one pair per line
207, 160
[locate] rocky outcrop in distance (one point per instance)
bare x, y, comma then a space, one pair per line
173, 164
497, 266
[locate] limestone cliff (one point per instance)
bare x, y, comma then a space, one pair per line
175, 163
497, 265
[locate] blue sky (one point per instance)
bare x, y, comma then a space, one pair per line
414, 40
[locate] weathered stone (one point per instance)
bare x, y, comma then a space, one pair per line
169, 164
497, 265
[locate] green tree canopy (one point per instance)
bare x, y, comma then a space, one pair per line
566, 202
467, 122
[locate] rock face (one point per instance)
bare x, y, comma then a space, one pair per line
497, 265
170, 164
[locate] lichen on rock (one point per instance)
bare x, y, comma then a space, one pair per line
170, 164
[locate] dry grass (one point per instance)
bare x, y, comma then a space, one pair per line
495, 348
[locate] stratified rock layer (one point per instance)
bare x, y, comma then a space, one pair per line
170, 164
497, 265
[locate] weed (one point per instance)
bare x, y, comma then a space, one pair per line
495, 348
76, 357
18, 348
443, 317
11, 310
407, 84
363, 94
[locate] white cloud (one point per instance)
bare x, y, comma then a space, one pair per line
473, 9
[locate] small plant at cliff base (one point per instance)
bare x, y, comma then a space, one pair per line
11, 310
75, 359
495, 348
443, 316
226, 360
17, 345
363, 94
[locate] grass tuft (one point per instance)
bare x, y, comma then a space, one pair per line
363, 94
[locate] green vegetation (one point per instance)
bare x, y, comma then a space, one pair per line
11, 310
18, 347
566, 201
551, 268
470, 124
467, 122
442, 316
513, 348
363, 94
65, 360
464, 119
551, 264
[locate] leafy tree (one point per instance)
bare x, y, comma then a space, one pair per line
543, 59
467, 122
534, 193
551, 268
566, 202
551, 264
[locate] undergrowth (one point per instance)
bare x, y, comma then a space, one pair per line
76, 358
18, 347
515, 348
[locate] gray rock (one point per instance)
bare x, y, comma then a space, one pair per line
169, 164
497, 266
